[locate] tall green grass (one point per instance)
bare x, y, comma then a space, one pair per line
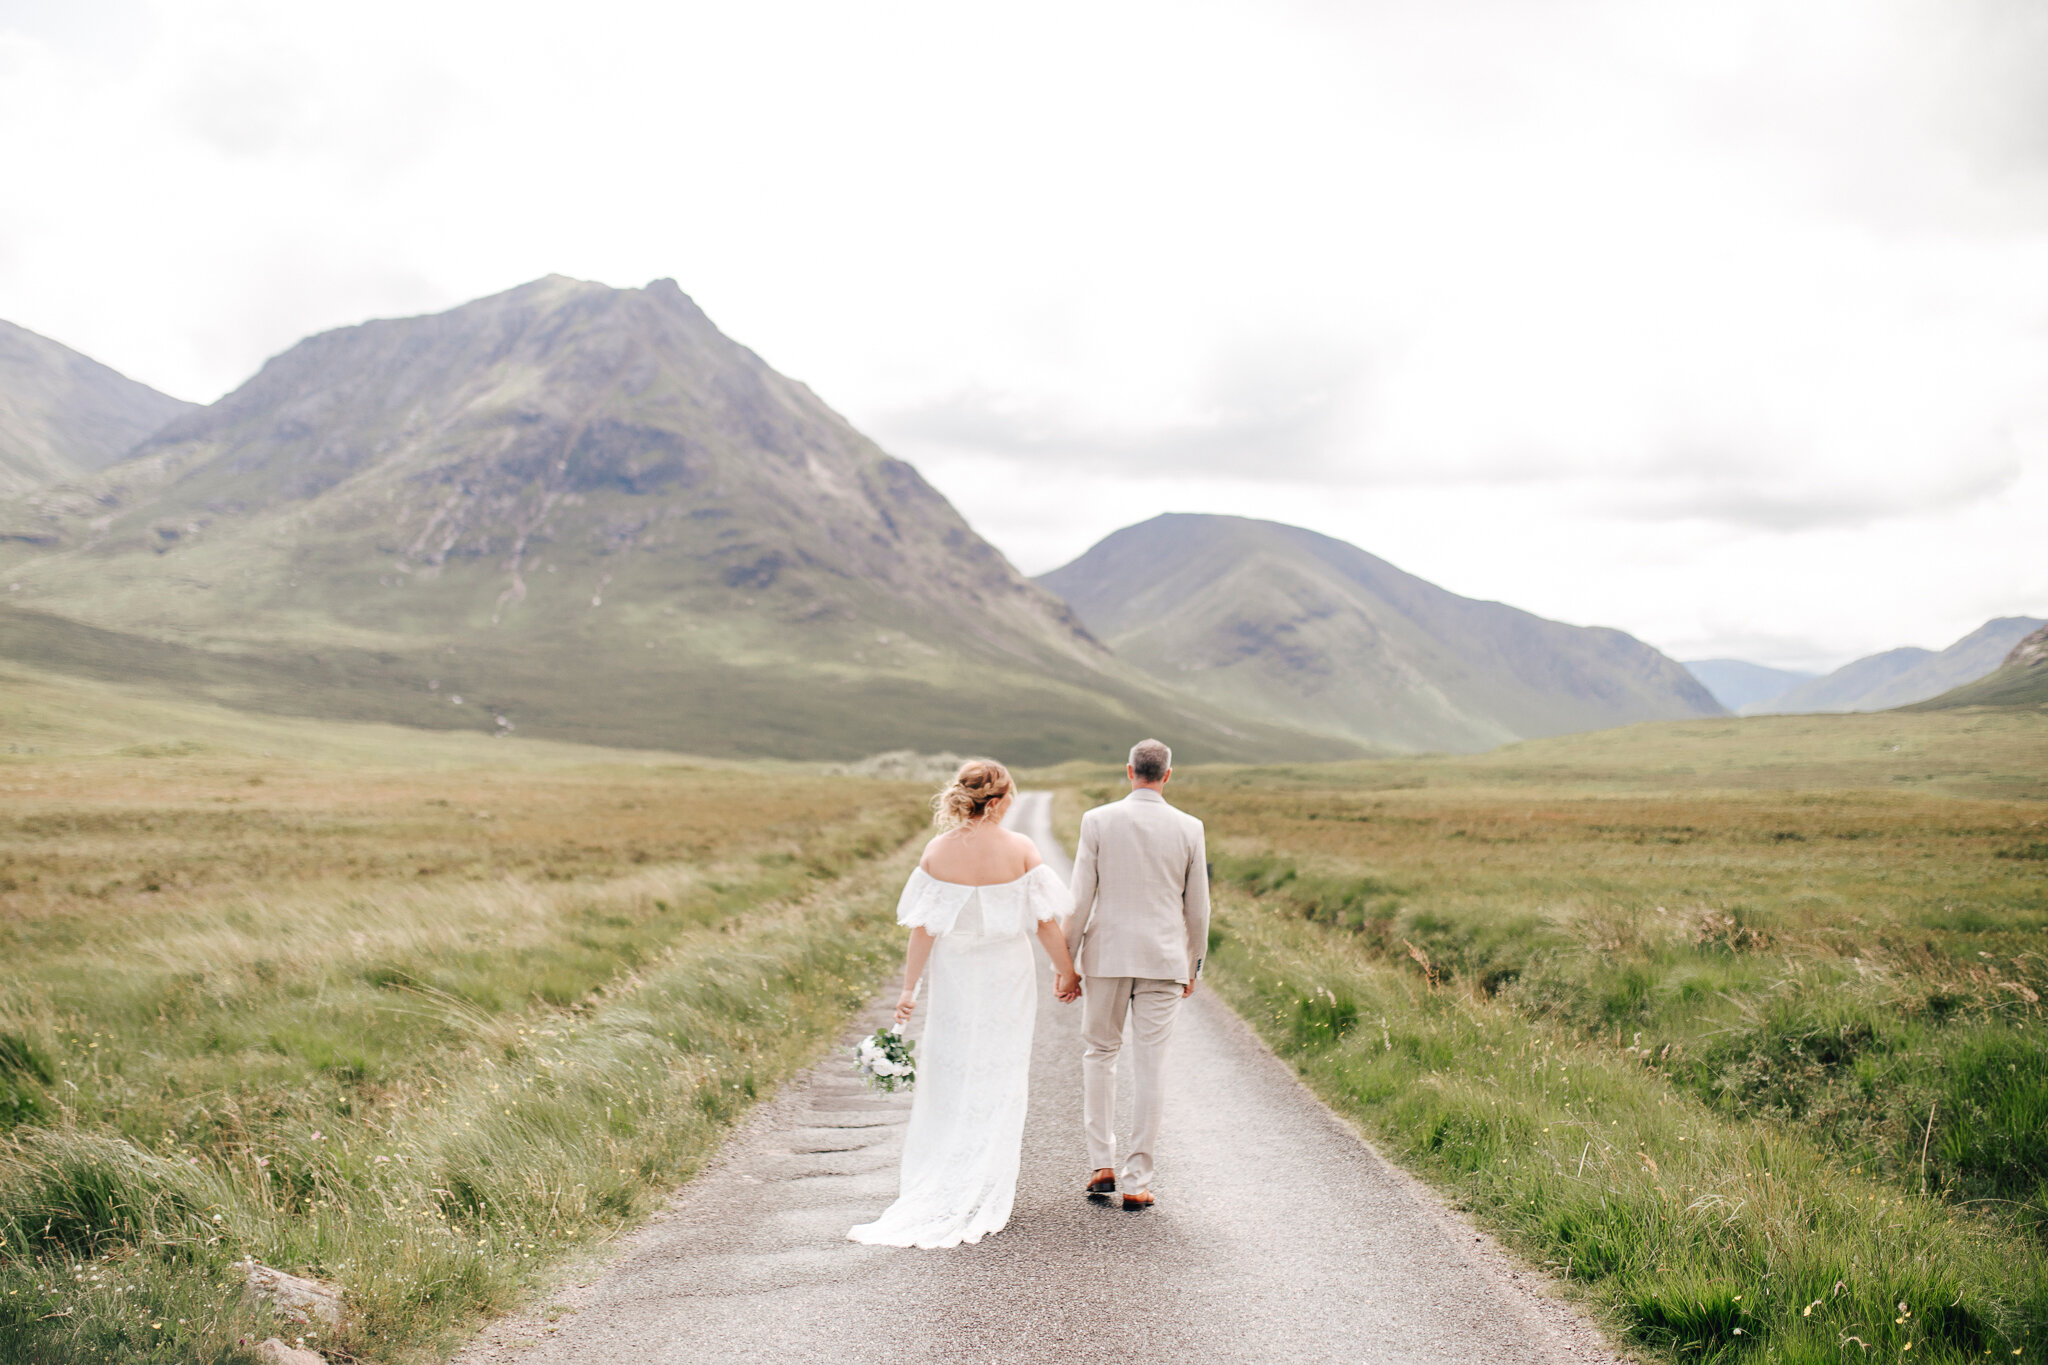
1938, 1082
415, 1032
545, 1129
1703, 1235
1737, 1025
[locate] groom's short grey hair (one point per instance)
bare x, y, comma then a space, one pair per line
1150, 759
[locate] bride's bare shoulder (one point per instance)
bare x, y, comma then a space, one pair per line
938, 844
1027, 846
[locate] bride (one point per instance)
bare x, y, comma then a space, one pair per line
977, 893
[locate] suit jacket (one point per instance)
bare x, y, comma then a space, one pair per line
1141, 891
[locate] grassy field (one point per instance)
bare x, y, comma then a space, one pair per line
415, 1013
1735, 1025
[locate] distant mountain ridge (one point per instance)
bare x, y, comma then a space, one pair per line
585, 512
63, 414
1737, 683
1293, 627
1901, 677
2021, 679
578, 511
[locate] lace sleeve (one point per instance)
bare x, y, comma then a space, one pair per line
1046, 895
930, 904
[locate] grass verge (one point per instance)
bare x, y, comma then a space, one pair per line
554, 1132
1703, 1238
1736, 1025
417, 1030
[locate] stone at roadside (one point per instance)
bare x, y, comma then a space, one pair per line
272, 1351
300, 1300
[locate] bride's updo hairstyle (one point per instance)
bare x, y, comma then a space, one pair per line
980, 783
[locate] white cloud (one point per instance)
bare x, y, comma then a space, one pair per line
1725, 324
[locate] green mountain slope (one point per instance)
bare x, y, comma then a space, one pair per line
2021, 680
63, 414
1296, 628
588, 514
1899, 677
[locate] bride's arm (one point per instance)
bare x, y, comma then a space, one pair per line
1055, 941
914, 958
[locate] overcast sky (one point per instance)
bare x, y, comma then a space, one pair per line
1725, 324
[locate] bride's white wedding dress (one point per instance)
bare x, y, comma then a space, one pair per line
961, 1149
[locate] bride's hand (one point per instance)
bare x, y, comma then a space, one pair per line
904, 1005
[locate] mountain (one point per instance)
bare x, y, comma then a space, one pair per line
1899, 677
63, 414
1737, 683
575, 511
1298, 629
2021, 680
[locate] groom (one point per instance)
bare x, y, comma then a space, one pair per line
1139, 929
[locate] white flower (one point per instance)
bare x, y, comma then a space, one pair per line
880, 1060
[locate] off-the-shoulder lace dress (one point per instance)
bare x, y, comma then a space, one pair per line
960, 1151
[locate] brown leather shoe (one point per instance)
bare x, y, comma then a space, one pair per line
1102, 1182
1138, 1201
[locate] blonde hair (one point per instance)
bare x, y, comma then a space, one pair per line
980, 783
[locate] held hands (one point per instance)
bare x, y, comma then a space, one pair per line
906, 1003
1066, 987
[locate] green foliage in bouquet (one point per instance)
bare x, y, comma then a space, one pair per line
883, 1060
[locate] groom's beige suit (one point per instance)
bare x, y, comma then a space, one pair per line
1138, 932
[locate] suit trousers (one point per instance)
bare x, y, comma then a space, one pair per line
1150, 1004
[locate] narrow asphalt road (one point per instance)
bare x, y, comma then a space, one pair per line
1279, 1237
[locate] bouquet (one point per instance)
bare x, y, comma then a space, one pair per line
883, 1060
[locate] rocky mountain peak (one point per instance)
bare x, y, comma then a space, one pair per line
2029, 652
567, 418
628, 524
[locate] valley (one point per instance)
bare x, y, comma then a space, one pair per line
515, 520
582, 513
1900, 677
430, 1014
447, 781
